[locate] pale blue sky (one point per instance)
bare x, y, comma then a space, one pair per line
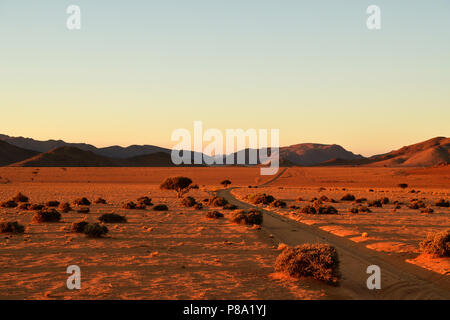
137, 70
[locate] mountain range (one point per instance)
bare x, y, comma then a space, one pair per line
27, 152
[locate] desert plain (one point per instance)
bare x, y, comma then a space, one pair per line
182, 254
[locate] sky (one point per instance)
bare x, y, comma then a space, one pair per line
138, 70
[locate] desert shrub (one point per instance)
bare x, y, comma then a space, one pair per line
82, 202
348, 197
129, 205
50, 215
300, 199
437, 244
326, 210
52, 203
95, 230
416, 204
278, 204
188, 202
20, 198
359, 209
308, 210
319, 261
145, 200
294, 207
160, 207
100, 201
403, 185
83, 210
214, 214
11, 227
178, 184
251, 216
24, 206
427, 210
384, 200
260, 198
36, 207
360, 200
78, 227
112, 218
375, 203
65, 207
217, 201
198, 206
8, 204
230, 206
324, 198
225, 183
442, 203
194, 186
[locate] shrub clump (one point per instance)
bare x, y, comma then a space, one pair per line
145, 201
52, 203
403, 185
308, 210
375, 203
230, 206
65, 207
8, 204
83, 210
78, 227
100, 201
160, 207
225, 183
36, 207
442, 203
217, 202
178, 184
278, 204
260, 198
112, 218
326, 210
95, 230
348, 197
50, 215
359, 209
437, 244
198, 206
188, 202
319, 261
82, 202
251, 216
214, 215
416, 204
129, 205
11, 227
20, 198
24, 206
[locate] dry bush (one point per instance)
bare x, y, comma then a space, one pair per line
326, 210
100, 201
52, 204
129, 205
437, 244
427, 210
403, 185
251, 216
348, 197
260, 198
300, 199
36, 207
359, 209
82, 202
145, 200
308, 210
83, 210
65, 207
225, 183
112, 218
278, 204
50, 215
8, 204
178, 184
24, 206
214, 215
319, 261
160, 207
198, 206
442, 203
78, 227
95, 230
324, 198
217, 202
360, 200
188, 202
20, 198
416, 204
375, 203
230, 206
11, 227
384, 200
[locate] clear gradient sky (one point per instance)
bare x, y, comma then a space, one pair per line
137, 70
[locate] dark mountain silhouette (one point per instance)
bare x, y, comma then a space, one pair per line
11, 154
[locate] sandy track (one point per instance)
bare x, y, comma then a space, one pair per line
399, 280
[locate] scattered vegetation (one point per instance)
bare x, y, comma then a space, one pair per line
375, 203
348, 197
251, 216
278, 204
416, 204
160, 207
50, 215
319, 261
82, 202
260, 198
217, 201
112, 218
11, 227
442, 203
178, 184
9, 204
437, 244
214, 214
359, 209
